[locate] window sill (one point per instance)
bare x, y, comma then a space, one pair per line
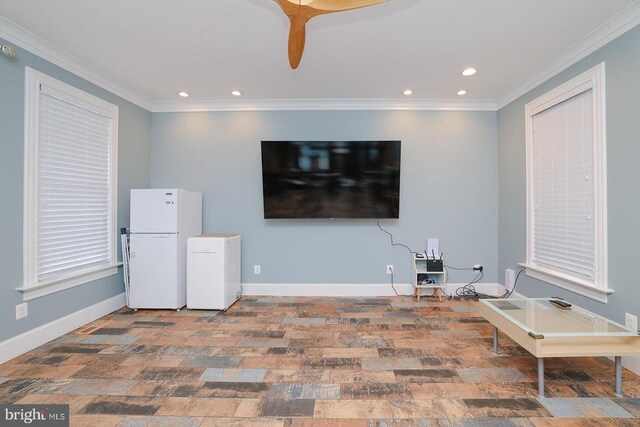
59, 284
567, 282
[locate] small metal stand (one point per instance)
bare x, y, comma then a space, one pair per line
618, 376
126, 251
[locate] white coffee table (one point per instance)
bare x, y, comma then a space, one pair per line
546, 330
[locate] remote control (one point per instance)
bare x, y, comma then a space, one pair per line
559, 303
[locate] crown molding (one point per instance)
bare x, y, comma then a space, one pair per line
324, 104
23, 38
619, 24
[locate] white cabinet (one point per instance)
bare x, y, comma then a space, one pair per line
423, 278
213, 271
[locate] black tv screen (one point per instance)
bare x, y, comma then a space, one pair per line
331, 179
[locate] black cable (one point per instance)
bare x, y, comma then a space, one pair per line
391, 238
507, 294
468, 284
396, 291
446, 279
394, 288
395, 244
460, 269
468, 291
443, 291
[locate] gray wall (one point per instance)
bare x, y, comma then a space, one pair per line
133, 171
622, 58
448, 190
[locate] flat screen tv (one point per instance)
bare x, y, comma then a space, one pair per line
331, 179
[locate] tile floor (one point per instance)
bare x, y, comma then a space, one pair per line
280, 361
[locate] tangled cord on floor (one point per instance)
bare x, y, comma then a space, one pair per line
468, 291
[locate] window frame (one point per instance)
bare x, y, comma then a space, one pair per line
594, 80
32, 288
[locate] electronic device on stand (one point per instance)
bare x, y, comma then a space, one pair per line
429, 273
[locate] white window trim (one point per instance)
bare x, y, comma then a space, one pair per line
31, 288
594, 80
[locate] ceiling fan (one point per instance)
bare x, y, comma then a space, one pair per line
301, 11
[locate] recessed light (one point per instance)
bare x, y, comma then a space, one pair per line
462, 92
408, 92
236, 93
183, 94
469, 71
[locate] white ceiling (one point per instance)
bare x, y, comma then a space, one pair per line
211, 47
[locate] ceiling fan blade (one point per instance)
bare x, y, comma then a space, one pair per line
297, 38
301, 11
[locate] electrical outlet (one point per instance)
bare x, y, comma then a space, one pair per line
22, 310
256, 269
631, 322
389, 269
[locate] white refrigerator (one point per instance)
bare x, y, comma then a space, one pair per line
161, 222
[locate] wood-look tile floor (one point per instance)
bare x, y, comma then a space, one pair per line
281, 361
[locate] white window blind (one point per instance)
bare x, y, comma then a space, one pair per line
74, 187
70, 181
567, 186
563, 186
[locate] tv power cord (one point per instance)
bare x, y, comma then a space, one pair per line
391, 239
395, 244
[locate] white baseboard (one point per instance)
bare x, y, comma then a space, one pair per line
36, 337
351, 289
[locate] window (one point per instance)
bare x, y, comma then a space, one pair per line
566, 186
70, 186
